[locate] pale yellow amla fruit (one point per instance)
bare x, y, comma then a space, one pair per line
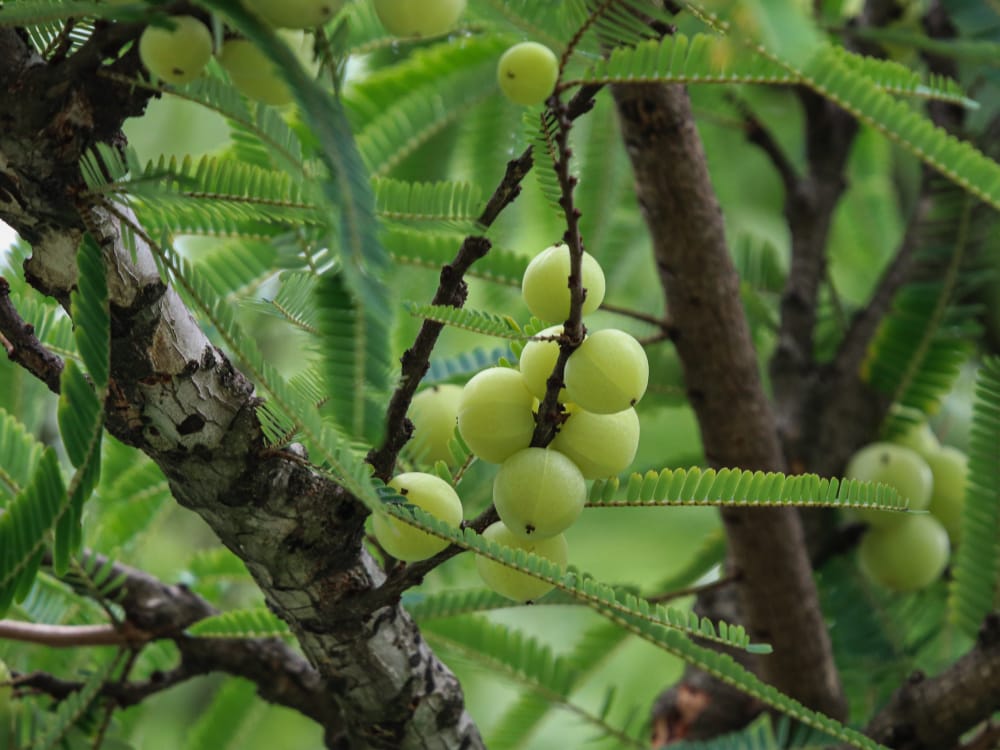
521, 587
539, 492
179, 54
417, 18
432, 495
527, 75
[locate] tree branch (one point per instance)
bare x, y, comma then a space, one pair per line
62, 636
154, 609
23, 347
452, 291
931, 713
298, 532
738, 427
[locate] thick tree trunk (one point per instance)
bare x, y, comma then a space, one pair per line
777, 595
177, 398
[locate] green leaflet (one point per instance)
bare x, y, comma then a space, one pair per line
581, 587
241, 623
922, 343
697, 486
355, 347
465, 365
81, 402
524, 660
431, 250
725, 668
541, 129
346, 188
487, 323
830, 72
398, 109
458, 203
57, 724
25, 527
658, 625
223, 723
129, 499
19, 455
39, 12
975, 584
221, 196
703, 58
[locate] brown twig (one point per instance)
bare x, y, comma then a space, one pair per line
451, 291
69, 636
663, 323
695, 590
22, 346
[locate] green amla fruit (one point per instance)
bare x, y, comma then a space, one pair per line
495, 414
511, 583
601, 445
295, 14
537, 360
905, 556
432, 495
539, 492
545, 285
608, 373
434, 413
176, 55
527, 73
950, 467
406, 18
898, 467
253, 73
919, 438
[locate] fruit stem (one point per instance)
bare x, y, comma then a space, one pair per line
550, 410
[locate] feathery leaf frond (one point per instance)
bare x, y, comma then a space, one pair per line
975, 585
487, 323
241, 623
696, 486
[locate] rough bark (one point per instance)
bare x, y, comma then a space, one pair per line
178, 398
927, 713
738, 427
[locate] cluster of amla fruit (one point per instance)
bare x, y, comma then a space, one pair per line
179, 52
905, 552
537, 492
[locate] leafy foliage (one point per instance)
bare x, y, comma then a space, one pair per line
385, 164
737, 487
976, 582
479, 321
926, 337
523, 660
244, 623
601, 597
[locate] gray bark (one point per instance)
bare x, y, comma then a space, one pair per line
178, 398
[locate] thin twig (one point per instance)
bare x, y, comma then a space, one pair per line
451, 291
109, 711
759, 135
22, 346
694, 590
663, 323
70, 636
